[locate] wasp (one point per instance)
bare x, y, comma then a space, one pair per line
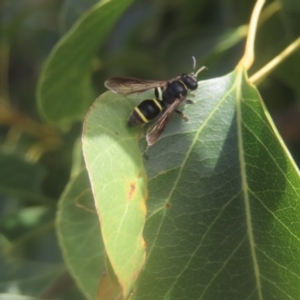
169, 94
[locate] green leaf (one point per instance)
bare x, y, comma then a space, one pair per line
223, 204
64, 90
118, 182
79, 235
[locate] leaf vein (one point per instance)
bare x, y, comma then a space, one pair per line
239, 98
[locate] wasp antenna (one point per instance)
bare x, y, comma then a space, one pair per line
194, 63
200, 70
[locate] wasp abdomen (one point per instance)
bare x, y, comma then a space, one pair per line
145, 112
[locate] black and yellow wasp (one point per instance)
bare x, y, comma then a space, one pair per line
169, 95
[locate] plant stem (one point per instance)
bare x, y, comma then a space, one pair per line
248, 57
264, 71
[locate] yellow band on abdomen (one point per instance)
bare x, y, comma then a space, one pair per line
145, 120
157, 104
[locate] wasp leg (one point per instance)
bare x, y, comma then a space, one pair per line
181, 115
187, 101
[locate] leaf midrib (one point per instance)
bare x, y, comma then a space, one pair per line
244, 187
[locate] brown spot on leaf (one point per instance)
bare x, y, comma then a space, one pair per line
116, 133
167, 205
144, 243
136, 275
139, 175
131, 190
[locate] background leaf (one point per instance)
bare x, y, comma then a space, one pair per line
119, 185
65, 91
14, 179
72, 10
19, 277
79, 234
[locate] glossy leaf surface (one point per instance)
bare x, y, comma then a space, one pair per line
224, 200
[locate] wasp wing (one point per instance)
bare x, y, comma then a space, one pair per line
128, 85
155, 131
